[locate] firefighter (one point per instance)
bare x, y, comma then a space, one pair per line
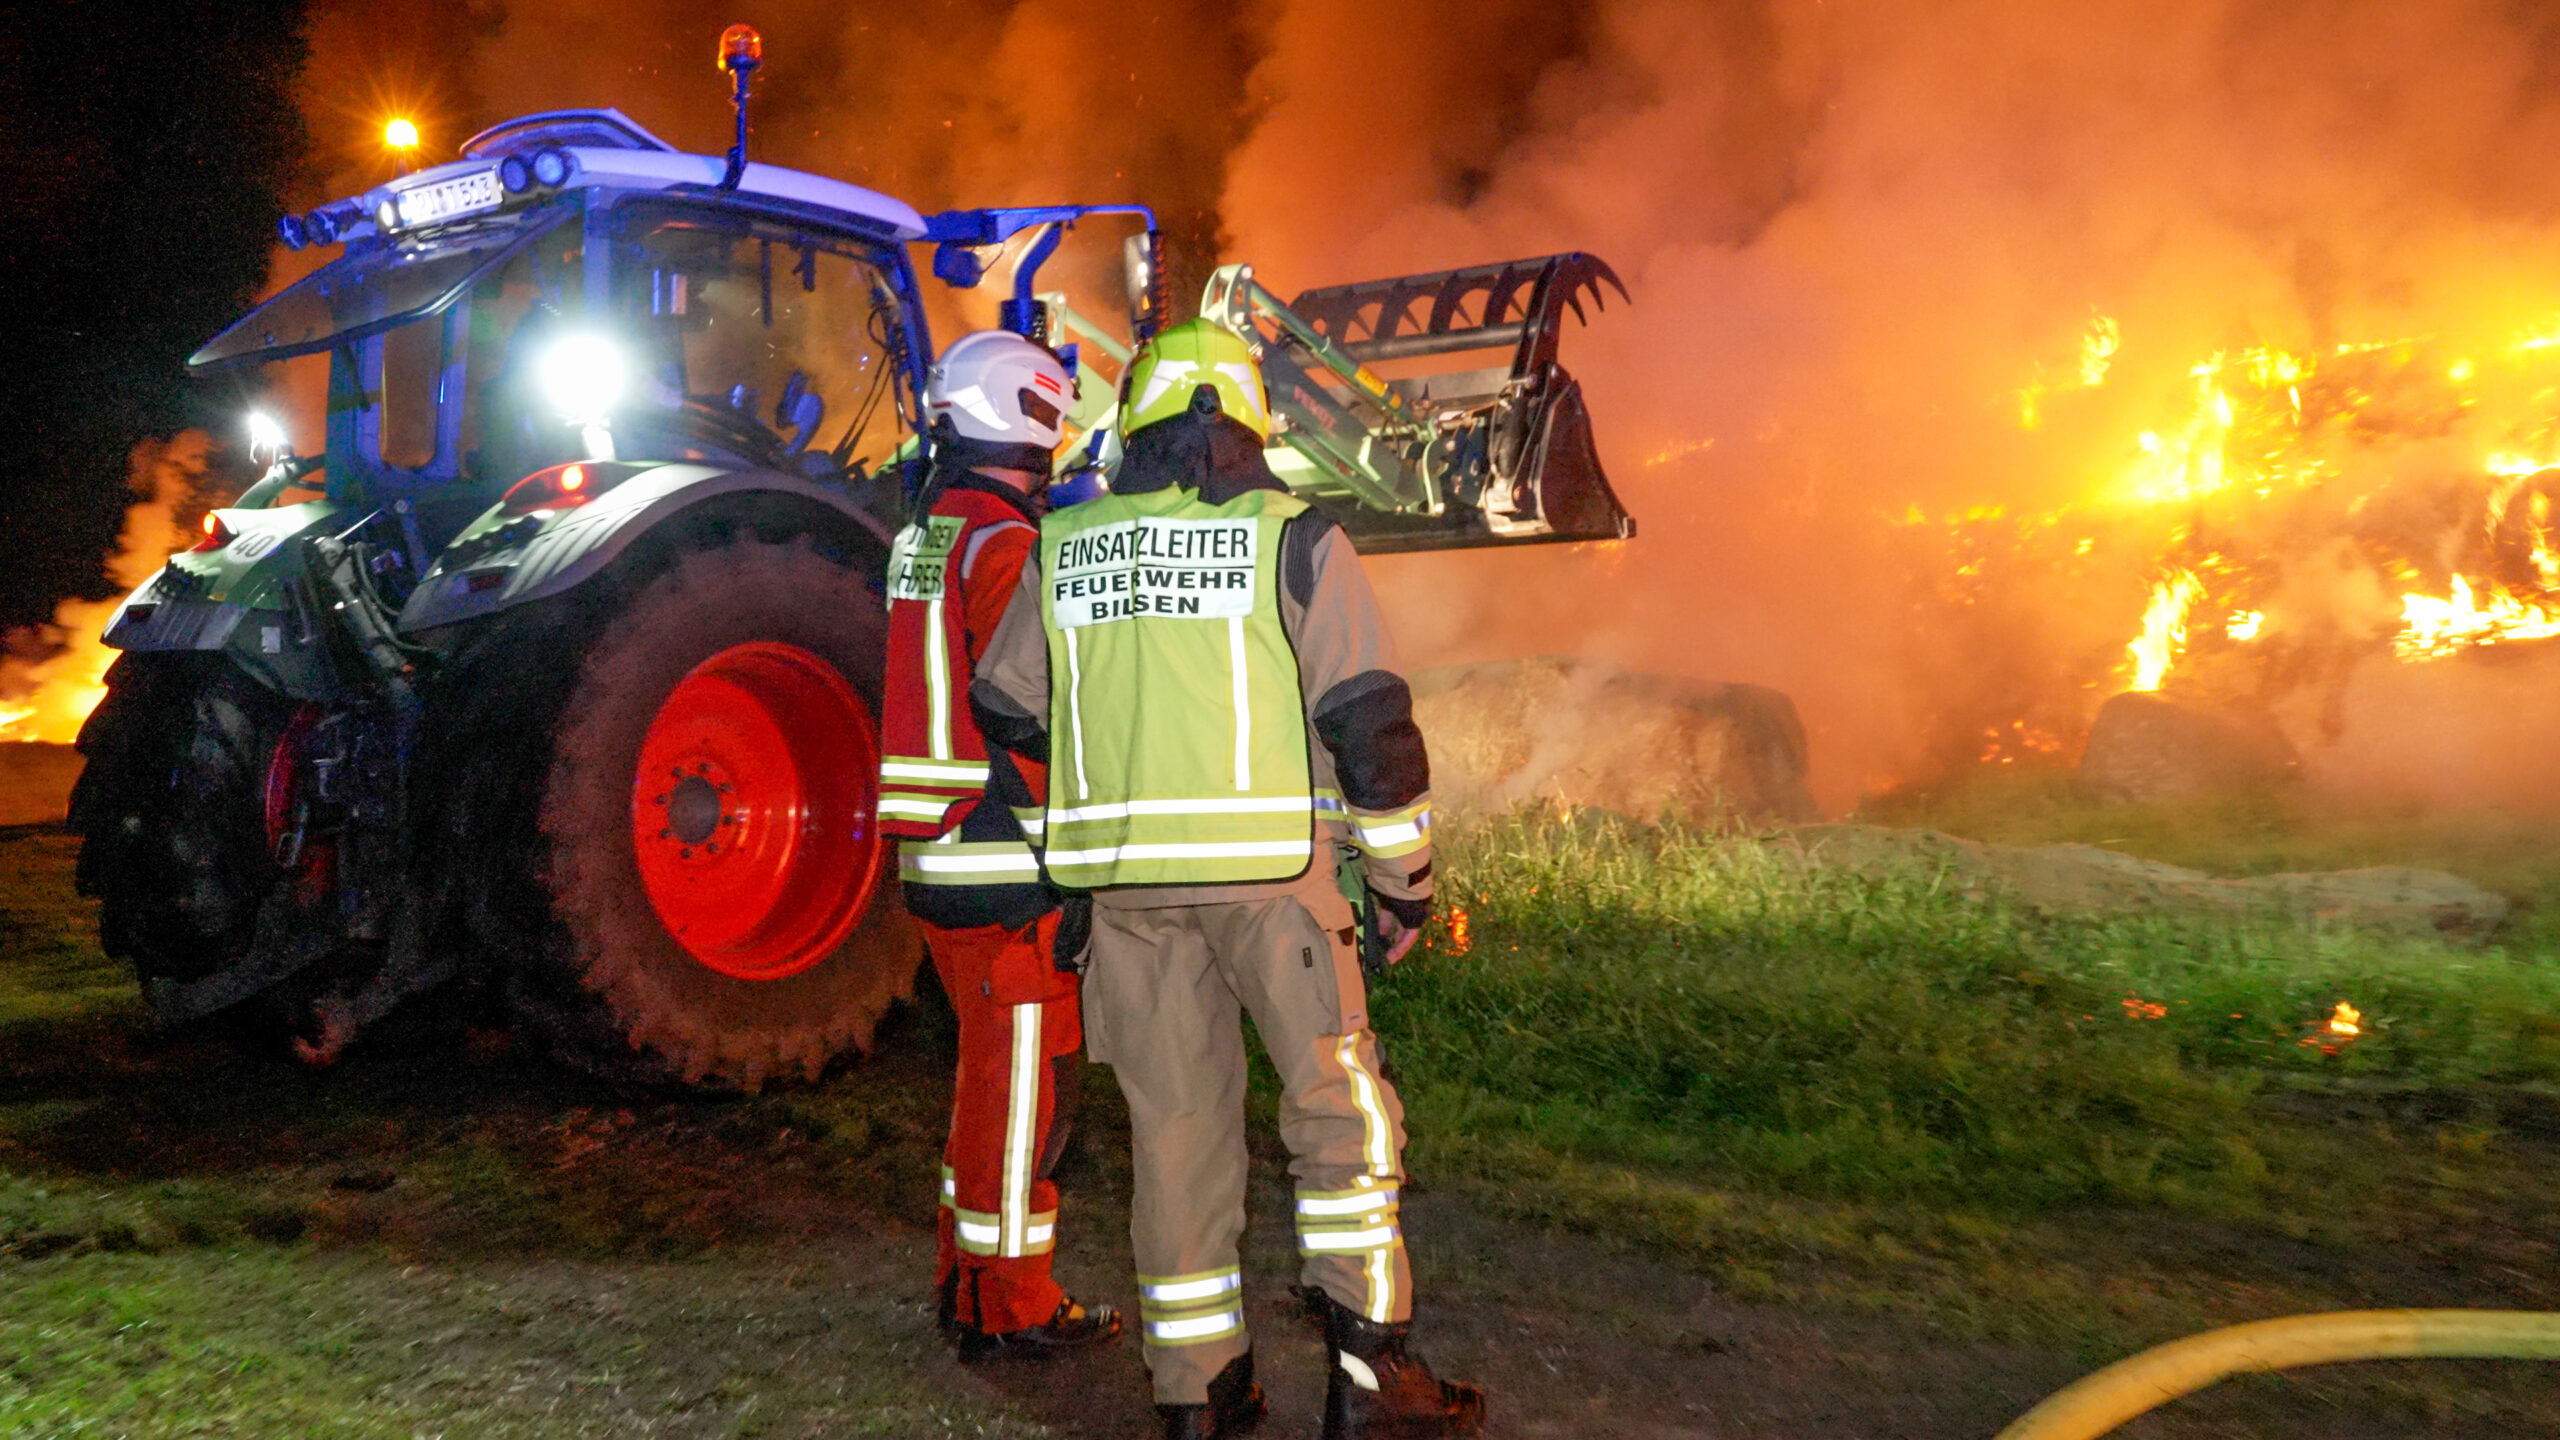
1198, 660
995, 403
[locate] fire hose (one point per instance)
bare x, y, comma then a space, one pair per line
2099, 1403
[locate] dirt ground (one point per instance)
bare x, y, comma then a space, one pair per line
454, 1239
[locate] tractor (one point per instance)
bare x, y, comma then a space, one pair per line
547, 686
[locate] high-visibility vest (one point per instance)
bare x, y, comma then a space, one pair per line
1177, 735
933, 765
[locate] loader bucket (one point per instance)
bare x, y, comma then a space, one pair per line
1476, 437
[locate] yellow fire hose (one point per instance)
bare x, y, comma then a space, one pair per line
2101, 1402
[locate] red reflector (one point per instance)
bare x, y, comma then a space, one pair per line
486, 580
216, 533
563, 486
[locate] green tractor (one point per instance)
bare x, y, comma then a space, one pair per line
549, 684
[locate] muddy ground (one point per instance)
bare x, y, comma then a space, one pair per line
451, 1238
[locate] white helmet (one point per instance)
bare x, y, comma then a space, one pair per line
994, 386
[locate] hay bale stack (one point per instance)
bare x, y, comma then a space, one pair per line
2147, 747
1588, 736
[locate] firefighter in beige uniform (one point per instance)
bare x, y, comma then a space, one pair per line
1198, 659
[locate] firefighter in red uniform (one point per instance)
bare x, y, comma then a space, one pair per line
996, 404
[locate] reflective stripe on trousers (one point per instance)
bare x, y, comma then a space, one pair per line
1191, 1309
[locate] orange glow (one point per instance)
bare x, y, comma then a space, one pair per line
401, 134
573, 479
2137, 1008
1459, 944
45, 693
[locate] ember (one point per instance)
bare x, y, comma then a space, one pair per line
1459, 944
2344, 1027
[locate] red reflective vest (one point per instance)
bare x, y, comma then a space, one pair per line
946, 593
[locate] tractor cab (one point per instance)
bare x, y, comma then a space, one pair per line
574, 289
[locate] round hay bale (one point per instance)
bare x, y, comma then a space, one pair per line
1588, 736
2147, 747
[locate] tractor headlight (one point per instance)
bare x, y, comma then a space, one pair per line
584, 377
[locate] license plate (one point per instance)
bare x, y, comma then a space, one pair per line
447, 198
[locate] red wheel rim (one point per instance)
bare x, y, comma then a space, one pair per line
754, 811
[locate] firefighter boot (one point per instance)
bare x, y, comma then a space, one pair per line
1378, 1390
1074, 1327
1235, 1406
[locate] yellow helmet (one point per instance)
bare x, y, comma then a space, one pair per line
1182, 358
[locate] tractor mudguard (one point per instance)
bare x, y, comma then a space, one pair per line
241, 597
502, 560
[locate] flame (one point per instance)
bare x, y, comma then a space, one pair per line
2344, 1027
1459, 944
52, 679
2164, 630
2291, 513
2137, 1008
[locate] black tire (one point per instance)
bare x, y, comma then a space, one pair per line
170, 810
543, 764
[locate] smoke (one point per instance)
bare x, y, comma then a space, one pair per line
1853, 232
52, 676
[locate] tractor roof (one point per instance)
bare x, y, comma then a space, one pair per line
605, 149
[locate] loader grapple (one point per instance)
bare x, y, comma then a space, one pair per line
1440, 454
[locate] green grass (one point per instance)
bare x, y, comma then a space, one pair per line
1712, 1004
1918, 1096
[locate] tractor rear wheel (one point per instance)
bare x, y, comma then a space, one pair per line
707, 863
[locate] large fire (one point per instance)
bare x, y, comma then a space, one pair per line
2295, 515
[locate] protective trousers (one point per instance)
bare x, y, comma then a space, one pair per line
1163, 999
1018, 1020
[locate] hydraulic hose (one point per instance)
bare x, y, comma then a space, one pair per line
2099, 1403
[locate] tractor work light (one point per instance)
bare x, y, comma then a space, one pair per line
515, 175
551, 167
266, 436
321, 227
400, 134
584, 377
289, 230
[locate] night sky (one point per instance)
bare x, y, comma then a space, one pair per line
145, 150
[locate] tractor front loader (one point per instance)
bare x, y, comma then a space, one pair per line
1478, 438
1457, 453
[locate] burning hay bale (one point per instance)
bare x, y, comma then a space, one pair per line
2396, 900
1588, 736
2146, 747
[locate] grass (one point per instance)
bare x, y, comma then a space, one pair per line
195, 1242
1912, 1097
1838, 1091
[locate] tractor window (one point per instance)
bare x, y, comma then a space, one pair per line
774, 341
509, 430
412, 366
